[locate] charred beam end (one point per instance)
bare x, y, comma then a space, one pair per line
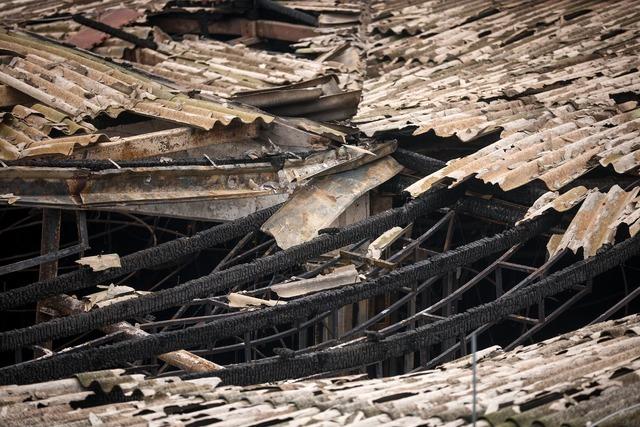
111, 356
371, 352
287, 12
417, 162
115, 32
491, 209
206, 285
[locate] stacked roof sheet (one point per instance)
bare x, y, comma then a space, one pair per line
24, 10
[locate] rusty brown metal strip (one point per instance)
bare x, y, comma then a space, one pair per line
87, 38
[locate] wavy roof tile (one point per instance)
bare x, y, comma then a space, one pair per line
589, 375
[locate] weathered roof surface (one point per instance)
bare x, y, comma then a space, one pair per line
285, 84
24, 10
82, 86
564, 146
211, 65
226, 69
507, 71
585, 376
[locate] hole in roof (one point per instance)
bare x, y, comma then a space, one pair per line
612, 33
203, 422
272, 422
396, 396
623, 370
577, 13
521, 35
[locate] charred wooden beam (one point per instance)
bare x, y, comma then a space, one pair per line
214, 282
263, 29
115, 32
182, 359
280, 314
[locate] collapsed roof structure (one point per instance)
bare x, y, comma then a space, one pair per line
270, 190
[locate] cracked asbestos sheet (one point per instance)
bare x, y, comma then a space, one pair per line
598, 220
320, 202
596, 223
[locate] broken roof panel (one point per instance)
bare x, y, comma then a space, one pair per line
319, 203
25, 133
596, 223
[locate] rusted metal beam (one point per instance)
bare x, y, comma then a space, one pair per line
73, 187
539, 272
49, 257
261, 29
49, 243
617, 306
166, 142
550, 317
10, 97
457, 293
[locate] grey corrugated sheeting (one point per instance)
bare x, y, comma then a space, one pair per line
507, 71
71, 87
575, 378
556, 153
224, 69
23, 10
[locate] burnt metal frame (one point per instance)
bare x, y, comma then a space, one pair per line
51, 253
497, 267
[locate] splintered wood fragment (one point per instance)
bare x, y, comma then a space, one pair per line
237, 300
110, 295
101, 262
341, 276
352, 256
10, 198
385, 240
